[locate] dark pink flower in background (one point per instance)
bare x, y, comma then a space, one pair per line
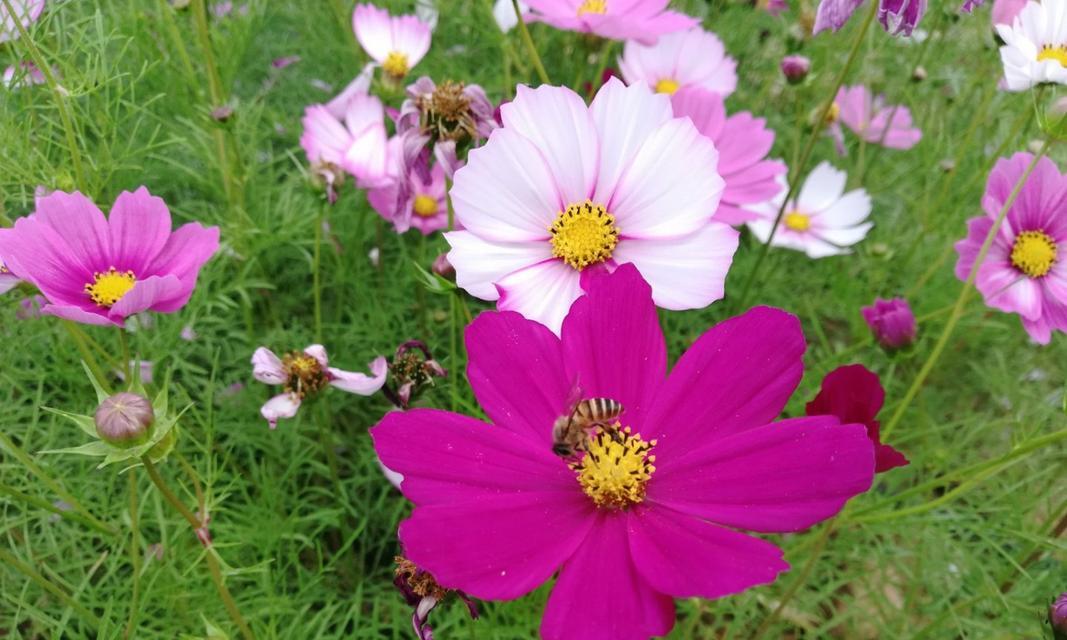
25, 11
891, 322
101, 270
1057, 617
743, 142
795, 68
870, 118
640, 20
696, 458
854, 395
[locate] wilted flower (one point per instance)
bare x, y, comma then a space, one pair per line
450, 114
822, 221
692, 58
411, 372
641, 20
414, 201
124, 418
773, 7
1035, 46
422, 592
897, 16
188, 333
871, 119
1057, 617
891, 322
284, 61
101, 270
25, 11
396, 43
795, 68
304, 374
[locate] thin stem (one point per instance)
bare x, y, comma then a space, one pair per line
135, 555
961, 301
177, 41
43, 582
325, 441
605, 55
57, 96
805, 155
316, 276
799, 581
530, 46
127, 365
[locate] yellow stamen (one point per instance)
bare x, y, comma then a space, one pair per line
797, 221
833, 114
425, 206
305, 374
109, 287
1057, 53
584, 234
615, 468
593, 6
1033, 253
396, 64
667, 86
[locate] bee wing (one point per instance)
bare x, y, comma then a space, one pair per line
574, 396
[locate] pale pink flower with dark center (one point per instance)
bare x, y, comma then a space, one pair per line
564, 190
691, 58
870, 118
397, 43
641, 20
25, 11
101, 270
414, 201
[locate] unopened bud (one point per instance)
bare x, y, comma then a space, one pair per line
442, 267
222, 114
795, 68
124, 418
919, 74
1057, 617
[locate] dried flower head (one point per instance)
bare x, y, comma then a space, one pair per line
411, 371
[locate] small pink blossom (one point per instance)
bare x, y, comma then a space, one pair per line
691, 58
412, 201
359, 146
871, 119
24, 74
25, 11
641, 20
30, 308
396, 43
891, 322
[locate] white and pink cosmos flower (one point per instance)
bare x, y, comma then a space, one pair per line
25, 11
414, 200
641, 20
743, 142
359, 145
397, 43
693, 58
822, 221
563, 190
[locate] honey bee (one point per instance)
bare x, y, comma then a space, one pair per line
571, 432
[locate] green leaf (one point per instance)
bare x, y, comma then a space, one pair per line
101, 395
97, 448
85, 423
433, 282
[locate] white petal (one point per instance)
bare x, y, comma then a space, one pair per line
480, 264
542, 292
843, 237
361, 383
851, 209
318, 352
281, 406
267, 367
823, 186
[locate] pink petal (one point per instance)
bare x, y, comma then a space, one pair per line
186, 251
542, 292
78, 223
35, 253
281, 406
145, 295
361, 383
77, 314
140, 227
267, 367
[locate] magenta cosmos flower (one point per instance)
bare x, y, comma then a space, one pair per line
891, 322
641, 20
414, 201
25, 11
692, 58
397, 43
305, 373
871, 119
1024, 272
743, 143
101, 270
563, 188
647, 514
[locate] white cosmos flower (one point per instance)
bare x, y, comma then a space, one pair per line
822, 221
1035, 45
504, 13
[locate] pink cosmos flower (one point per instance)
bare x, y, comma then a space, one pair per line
692, 58
854, 395
648, 513
1004, 11
397, 43
822, 221
101, 270
891, 322
1024, 272
414, 201
641, 20
26, 11
359, 146
303, 374
8, 280
873, 120
743, 142
564, 189
359, 86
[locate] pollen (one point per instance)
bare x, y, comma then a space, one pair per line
109, 287
667, 86
615, 468
1057, 53
425, 206
593, 6
396, 64
1033, 253
797, 221
304, 374
584, 234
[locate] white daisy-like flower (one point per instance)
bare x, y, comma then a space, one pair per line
822, 221
1035, 45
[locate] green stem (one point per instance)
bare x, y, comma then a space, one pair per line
177, 41
127, 364
962, 299
135, 555
605, 56
325, 441
57, 96
798, 582
531, 48
31, 573
316, 276
87, 354
805, 155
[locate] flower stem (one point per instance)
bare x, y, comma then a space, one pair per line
809, 146
316, 276
135, 556
962, 299
57, 96
528, 41
9, 559
212, 561
798, 582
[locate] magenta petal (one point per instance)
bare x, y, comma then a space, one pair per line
887, 457
140, 227
600, 595
517, 373
144, 295
496, 545
784, 476
686, 557
81, 226
35, 253
736, 376
77, 314
189, 247
612, 340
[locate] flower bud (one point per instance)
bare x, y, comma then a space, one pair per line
795, 68
892, 322
442, 267
1057, 617
124, 418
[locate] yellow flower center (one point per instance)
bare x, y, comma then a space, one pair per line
667, 86
425, 206
305, 374
108, 288
584, 234
593, 6
396, 64
797, 221
833, 114
1049, 52
615, 468
1034, 253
